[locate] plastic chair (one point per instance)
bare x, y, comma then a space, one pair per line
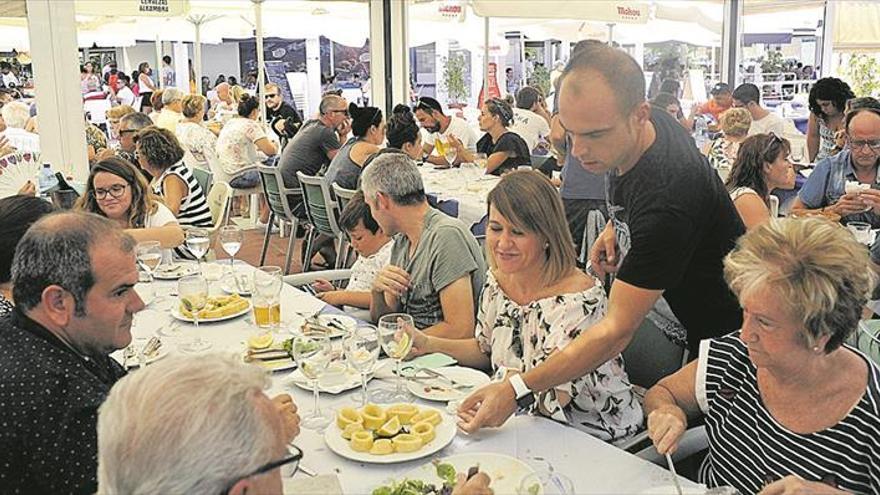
279, 198
218, 202
204, 178
322, 214
343, 196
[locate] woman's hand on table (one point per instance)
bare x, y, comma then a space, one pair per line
792, 485
666, 425
392, 280
488, 407
478, 484
322, 285
289, 417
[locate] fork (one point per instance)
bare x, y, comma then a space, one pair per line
435, 374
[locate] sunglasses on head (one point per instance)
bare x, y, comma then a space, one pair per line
424, 105
774, 139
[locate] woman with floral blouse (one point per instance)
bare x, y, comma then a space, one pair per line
534, 303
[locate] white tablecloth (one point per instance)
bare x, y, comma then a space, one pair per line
468, 187
593, 465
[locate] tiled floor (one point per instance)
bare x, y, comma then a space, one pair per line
253, 243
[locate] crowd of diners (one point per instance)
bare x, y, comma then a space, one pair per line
763, 306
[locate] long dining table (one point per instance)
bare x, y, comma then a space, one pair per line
593, 465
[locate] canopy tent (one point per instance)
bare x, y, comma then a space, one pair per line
857, 26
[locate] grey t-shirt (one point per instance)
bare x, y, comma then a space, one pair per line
307, 151
446, 252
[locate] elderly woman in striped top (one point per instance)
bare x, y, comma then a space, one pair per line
159, 153
789, 408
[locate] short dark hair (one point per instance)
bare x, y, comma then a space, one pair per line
428, 104
747, 93
830, 89
620, 71
357, 210
158, 146
527, 97
56, 251
17, 214
167, 59
362, 118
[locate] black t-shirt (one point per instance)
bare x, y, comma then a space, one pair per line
515, 146
288, 113
674, 223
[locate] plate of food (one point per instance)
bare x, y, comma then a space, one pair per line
218, 308
338, 378
174, 271
388, 435
439, 476
262, 352
445, 384
336, 325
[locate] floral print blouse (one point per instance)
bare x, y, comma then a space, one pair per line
199, 142
521, 337
722, 153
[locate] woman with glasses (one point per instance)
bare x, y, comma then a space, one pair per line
505, 150
827, 100
368, 128
198, 141
761, 166
117, 190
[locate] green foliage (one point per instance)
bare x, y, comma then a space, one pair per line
455, 78
540, 79
772, 63
863, 74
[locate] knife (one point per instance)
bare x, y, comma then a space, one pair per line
674, 475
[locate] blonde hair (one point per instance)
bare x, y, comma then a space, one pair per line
236, 92
191, 105
529, 201
118, 112
818, 271
735, 122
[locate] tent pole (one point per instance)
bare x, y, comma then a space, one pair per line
486, 59
197, 55
158, 67
261, 83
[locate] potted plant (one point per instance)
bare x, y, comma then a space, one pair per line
455, 80
863, 74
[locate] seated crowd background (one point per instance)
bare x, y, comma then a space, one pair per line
763, 307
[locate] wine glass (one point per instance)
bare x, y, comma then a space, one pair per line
211, 272
231, 238
797, 154
397, 343
149, 256
193, 292
198, 241
313, 353
361, 349
451, 154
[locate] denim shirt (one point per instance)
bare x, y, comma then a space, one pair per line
827, 184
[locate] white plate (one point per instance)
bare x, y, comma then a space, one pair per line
175, 312
445, 433
348, 322
162, 352
505, 472
174, 271
425, 388
336, 381
670, 490
276, 364
229, 287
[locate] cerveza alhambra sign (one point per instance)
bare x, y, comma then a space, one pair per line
133, 8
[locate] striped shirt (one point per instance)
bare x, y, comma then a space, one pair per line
748, 448
194, 211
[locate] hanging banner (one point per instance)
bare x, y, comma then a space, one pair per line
133, 8
592, 10
494, 90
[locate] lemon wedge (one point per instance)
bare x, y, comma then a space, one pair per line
406, 442
347, 416
429, 415
382, 447
351, 429
403, 412
260, 341
390, 428
374, 416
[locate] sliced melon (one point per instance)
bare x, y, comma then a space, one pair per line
351, 429
429, 415
390, 428
347, 416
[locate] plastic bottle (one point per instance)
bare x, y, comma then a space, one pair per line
700, 128
47, 178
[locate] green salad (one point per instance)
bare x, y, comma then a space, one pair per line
445, 472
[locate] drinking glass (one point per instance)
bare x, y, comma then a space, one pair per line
231, 238
198, 241
450, 154
267, 297
547, 482
797, 153
149, 256
481, 160
193, 291
397, 343
361, 349
441, 146
212, 272
313, 353
861, 231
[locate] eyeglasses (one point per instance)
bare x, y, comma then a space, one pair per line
291, 461
115, 191
126, 131
770, 144
268, 96
856, 144
344, 112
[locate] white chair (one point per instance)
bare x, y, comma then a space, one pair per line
97, 110
218, 202
254, 192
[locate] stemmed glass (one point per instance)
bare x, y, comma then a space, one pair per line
450, 154
361, 349
193, 292
313, 354
198, 241
212, 272
149, 255
231, 238
397, 343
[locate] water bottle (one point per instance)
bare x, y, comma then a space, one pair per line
700, 129
47, 178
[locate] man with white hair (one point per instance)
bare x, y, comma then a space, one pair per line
16, 115
437, 269
155, 436
171, 114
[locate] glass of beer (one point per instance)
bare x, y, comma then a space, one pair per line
267, 297
441, 146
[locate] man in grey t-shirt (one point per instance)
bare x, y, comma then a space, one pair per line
317, 141
437, 269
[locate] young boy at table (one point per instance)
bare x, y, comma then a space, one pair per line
373, 247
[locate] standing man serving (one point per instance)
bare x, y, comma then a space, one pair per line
281, 115
672, 222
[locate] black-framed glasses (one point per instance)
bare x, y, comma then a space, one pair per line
290, 461
343, 111
115, 191
855, 144
126, 131
268, 96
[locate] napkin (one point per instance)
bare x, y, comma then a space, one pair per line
324, 484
